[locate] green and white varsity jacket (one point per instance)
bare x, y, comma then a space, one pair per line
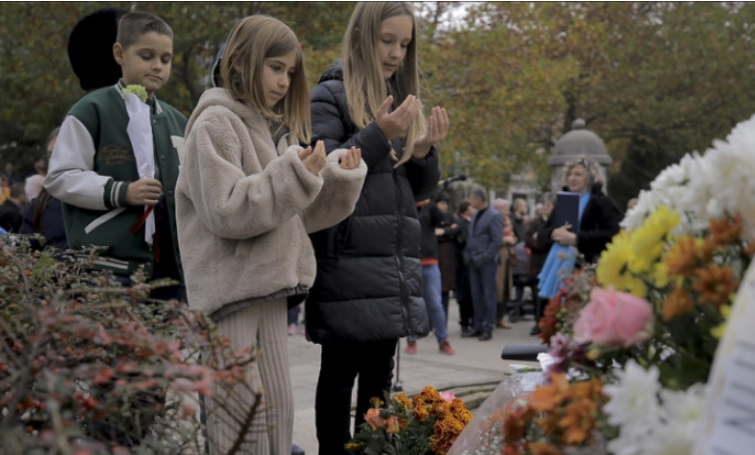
91, 166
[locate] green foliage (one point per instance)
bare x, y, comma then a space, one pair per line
654, 80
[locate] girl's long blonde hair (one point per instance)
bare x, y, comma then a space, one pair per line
365, 86
251, 41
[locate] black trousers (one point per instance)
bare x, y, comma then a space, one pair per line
340, 365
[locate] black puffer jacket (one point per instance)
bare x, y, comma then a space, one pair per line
599, 223
369, 278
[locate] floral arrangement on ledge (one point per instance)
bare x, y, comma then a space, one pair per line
427, 424
633, 339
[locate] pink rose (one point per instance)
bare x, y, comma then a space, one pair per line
614, 319
447, 396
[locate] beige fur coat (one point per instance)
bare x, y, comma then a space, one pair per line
245, 205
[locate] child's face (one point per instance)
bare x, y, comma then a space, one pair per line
276, 77
394, 39
146, 62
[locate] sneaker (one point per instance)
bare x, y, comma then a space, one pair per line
297, 450
535, 331
486, 336
411, 348
445, 347
292, 330
503, 324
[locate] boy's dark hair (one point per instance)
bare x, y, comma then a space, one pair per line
133, 25
442, 197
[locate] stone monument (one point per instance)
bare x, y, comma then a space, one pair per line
578, 141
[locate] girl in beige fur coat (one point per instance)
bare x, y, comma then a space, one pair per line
246, 197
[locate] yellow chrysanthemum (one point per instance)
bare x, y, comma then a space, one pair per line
613, 266
649, 241
660, 276
720, 329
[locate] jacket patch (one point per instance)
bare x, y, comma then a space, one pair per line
178, 143
115, 155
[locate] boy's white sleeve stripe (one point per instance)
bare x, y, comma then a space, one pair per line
70, 176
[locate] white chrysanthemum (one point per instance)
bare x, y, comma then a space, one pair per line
683, 406
625, 445
647, 203
742, 136
673, 438
670, 177
633, 403
697, 191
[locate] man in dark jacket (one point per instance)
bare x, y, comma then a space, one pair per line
481, 254
11, 212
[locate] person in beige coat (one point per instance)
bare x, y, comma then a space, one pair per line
246, 198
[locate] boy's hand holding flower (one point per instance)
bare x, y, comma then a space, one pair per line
143, 192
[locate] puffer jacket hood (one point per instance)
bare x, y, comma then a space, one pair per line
333, 73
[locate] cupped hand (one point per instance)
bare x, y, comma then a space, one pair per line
437, 130
351, 159
397, 123
314, 161
143, 192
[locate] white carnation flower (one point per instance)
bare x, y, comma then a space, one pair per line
625, 445
683, 406
672, 438
672, 176
633, 401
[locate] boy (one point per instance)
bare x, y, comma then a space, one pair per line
93, 169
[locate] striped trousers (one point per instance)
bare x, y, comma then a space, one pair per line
262, 324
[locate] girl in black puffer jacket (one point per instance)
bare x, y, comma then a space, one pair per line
367, 293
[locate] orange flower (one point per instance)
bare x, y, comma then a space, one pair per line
578, 421
677, 303
516, 422
547, 397
392, 425
685, 255
542, 448
592, 389
428, 396
547, 324
403, 400
725, 230
548, 423
715, 284
420, 413
440, 445
373, 418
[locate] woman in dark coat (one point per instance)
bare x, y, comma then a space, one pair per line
599, 219
368, 289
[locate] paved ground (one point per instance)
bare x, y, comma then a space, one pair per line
475, 362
